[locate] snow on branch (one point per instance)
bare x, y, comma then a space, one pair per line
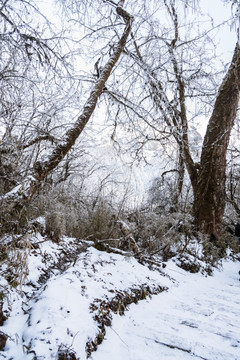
21, 191
45, 167
42, 168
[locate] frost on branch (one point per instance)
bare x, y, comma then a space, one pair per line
20, 192
45, 167
26, 190
129, 240
13, 202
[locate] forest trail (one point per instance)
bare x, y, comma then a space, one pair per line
198, 318
70, 289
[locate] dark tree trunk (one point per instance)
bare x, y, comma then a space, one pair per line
209, 201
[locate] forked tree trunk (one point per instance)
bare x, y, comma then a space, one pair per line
209, 202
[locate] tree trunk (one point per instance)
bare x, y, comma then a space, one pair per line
209, 201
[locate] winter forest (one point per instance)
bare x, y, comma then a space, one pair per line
119, 176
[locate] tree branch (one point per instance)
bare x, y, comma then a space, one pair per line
29, 187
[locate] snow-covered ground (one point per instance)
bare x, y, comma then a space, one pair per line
197, 318
70, 287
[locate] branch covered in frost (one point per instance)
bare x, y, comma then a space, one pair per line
20, 192
29, 186
45, 167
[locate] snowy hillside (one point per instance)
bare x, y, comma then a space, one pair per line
71, 303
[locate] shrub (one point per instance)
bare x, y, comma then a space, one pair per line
56, 223
66, 353
73, 215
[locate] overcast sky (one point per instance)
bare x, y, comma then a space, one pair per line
221, 12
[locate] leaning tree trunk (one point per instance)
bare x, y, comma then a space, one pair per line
20, 195
209, 202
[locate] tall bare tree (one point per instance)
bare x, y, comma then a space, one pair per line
170, 88
25, 191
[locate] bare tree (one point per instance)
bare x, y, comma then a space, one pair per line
170, 89
25, 191
32, 98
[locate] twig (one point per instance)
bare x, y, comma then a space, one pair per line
120, 337
160, 249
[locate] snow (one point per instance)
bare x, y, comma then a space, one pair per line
20, 190
197, 317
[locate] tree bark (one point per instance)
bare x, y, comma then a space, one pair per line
209, 201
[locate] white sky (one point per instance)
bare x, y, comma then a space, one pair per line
226, 37
217, 9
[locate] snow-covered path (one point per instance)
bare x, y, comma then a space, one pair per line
199, 318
